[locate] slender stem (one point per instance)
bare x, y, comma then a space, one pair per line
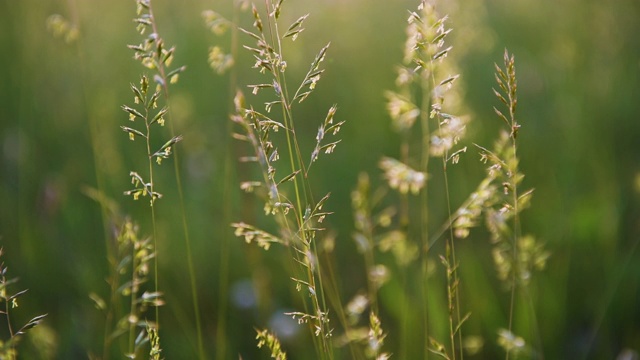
133, 295
510, 69
185, 227
424, 212
223, 278
454, 280
514, 244
6, 313
454, 270
153, 210
454, 264
534, 325
369, 263
94, 132
334, 297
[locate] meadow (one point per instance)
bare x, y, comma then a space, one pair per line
338, 179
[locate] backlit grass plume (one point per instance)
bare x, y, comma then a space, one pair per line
514, 255
499, 200
288, 197
418, 110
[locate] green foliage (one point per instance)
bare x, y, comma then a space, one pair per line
444, 262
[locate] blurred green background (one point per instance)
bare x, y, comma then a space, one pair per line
578, 66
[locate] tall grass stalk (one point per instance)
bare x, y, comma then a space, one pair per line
155, 55
372, 336
70, 31
221, 62
298, 217
421, 93
507, 82
455, 321
167, 77
499, 198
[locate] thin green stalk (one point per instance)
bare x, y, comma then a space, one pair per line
454, 323
424, 213
132, 301
405, 222
8, 348
514, 244
455, 281
404, 333
7, 311
334, 297
8, 316
185, 227
453, 258
153, 211
223, 278
95, 147
534, 325
369, 264
514, 187
614, 285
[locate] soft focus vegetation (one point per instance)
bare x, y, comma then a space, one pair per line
66, 226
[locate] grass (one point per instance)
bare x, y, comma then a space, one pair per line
9, 301
411, 303
297, 214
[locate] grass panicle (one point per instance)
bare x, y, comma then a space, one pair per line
284, 187
129, 289
424, 89
264, 337
498, 201
219, 60
515, 255
9, 302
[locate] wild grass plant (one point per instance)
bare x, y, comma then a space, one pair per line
130, 329
424, 80
8, 303
154, 54
423, 83
297, 211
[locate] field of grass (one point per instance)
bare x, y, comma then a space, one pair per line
340, 179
